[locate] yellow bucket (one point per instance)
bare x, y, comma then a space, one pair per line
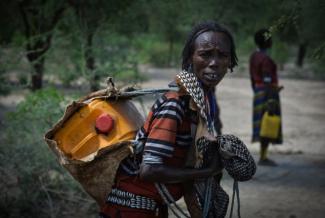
98, 124
270, 126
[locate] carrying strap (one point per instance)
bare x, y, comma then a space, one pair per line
130, 94
235, 192
207, 197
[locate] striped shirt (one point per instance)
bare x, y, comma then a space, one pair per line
166, 136
167, 131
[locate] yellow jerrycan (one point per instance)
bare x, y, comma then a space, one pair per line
98, 124
270, 126
95, 134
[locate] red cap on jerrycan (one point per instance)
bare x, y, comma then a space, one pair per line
104, 123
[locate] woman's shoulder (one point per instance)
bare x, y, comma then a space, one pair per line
171, 99
173, 95
259, 55
177, 97
177, 91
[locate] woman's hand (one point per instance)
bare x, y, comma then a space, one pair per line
279, 88
215, 167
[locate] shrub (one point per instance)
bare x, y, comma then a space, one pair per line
33, 184
154, 50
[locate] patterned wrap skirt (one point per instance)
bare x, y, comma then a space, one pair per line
259, 107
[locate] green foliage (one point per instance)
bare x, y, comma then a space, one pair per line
65, 59
153, 50
132, 20
113, 53
245, 46
116, 58
299, 23
4, 86
158, 54
8, 21
33, 184
12, 69
280, 51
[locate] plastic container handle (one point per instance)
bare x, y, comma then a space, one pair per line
82, 142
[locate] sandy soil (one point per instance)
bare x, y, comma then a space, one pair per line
295, 188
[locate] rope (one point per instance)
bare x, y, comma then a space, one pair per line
171, 199
207, 197
238, 200
168, 199
152, 91
116, 93
235, 192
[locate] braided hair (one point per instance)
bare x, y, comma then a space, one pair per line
197, 30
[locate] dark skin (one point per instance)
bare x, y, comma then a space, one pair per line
210, 60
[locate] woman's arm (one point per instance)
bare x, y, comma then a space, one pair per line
166, 174
161, 139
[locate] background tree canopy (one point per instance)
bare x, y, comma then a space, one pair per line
76, 44
78, 39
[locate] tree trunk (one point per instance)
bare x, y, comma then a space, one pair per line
90, 63
37, 75
35, 26
301, 54
35, 55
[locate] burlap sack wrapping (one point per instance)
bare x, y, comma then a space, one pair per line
97, 173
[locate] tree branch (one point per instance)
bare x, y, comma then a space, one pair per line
23, 13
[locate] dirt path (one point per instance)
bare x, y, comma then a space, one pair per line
295, 188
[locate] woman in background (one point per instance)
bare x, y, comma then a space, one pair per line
264, 81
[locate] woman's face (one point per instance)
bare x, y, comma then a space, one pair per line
211, 57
